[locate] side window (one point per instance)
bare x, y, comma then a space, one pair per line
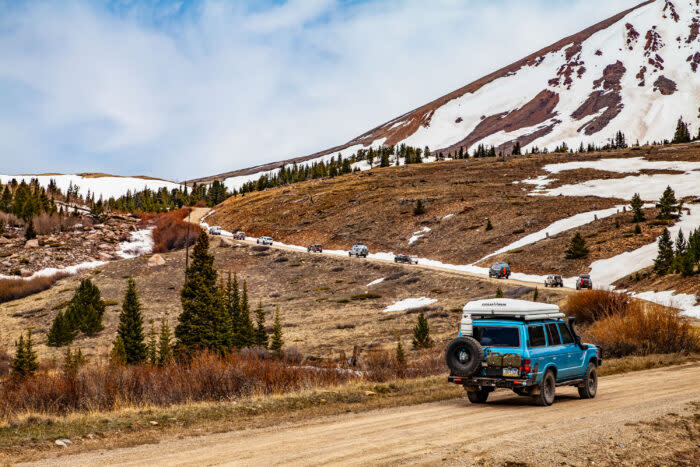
552, 334
565, 333
536, 335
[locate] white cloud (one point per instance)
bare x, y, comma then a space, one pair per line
226, 85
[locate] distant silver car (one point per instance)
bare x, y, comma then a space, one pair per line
215, 230
554, 280
264, 241
359, 250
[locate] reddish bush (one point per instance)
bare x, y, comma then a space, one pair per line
643, 328
591, 305
171, 230
12, 289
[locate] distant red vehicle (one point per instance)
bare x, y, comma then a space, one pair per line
315, 248
239, 236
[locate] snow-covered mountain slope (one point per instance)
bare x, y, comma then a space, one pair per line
106, 186
636, 72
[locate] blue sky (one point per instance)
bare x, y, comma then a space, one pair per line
182, 89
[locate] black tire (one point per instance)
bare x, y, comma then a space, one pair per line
547, 391
464, 356
350, 255
479, 396
590, 382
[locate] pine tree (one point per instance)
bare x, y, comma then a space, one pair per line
499, 293
419, 209
261, 339
682, 134
536, 295
244, 335
489, 225
86, 309
131, 326
421, 333
681, 244
400, 353
203, 322
29, 232
117, 356
577, 247
637, 229
25, 362
165, 350
664, 258
61, 332
517, 149
667, 204
276, 342
637, 205
152, 346
72, 361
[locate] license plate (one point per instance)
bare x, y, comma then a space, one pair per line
511, 372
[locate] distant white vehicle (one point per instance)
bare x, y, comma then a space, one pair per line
264, 241
215, 230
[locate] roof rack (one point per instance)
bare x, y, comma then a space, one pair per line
525, 316
512, 309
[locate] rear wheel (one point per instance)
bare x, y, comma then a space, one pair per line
547, 389
590, 382
464, 356
479, 396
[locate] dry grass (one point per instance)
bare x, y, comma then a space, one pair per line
591, 305
12, 289
171, 231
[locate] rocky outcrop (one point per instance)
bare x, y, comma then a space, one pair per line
665, 86
609, 98
155, 260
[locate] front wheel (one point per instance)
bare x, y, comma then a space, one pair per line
479, 396
547, 390
590, 382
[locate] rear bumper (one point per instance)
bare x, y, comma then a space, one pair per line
482, 381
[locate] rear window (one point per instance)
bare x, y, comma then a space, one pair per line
565, 334
552, 334
497, 336
536, 335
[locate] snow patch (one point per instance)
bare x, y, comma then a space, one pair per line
417, 235
71, 270
410, 304
140, 243
669, 298
375, 282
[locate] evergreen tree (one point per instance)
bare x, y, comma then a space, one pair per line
165, 350
260, 330
419, 209
637, 229
29, 232
117, 356
681, 244
276, 342
499, 293
577, 247
384, 161
25, 362
244, 335
86, 309
400, 353
489, 225
152, 346
667, 204
517, 151
421, 333
637, 205
131, 326
61, 332
72, 361
202, 323
664, 258
536, 295
682, 134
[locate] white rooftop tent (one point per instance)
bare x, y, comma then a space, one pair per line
506, 308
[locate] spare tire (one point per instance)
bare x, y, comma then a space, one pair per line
464, 356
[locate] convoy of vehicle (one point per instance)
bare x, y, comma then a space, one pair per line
524, 346
359, 250
554, 280
500, 271
264, 241
315, 248
584, 281
405, 259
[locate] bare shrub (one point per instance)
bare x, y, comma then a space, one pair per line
591, 305
643, 329
13, 289
171, 230
46, 224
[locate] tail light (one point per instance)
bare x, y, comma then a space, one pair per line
525, 367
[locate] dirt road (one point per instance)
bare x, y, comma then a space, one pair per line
452, 431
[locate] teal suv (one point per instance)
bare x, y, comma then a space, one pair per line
526, 347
